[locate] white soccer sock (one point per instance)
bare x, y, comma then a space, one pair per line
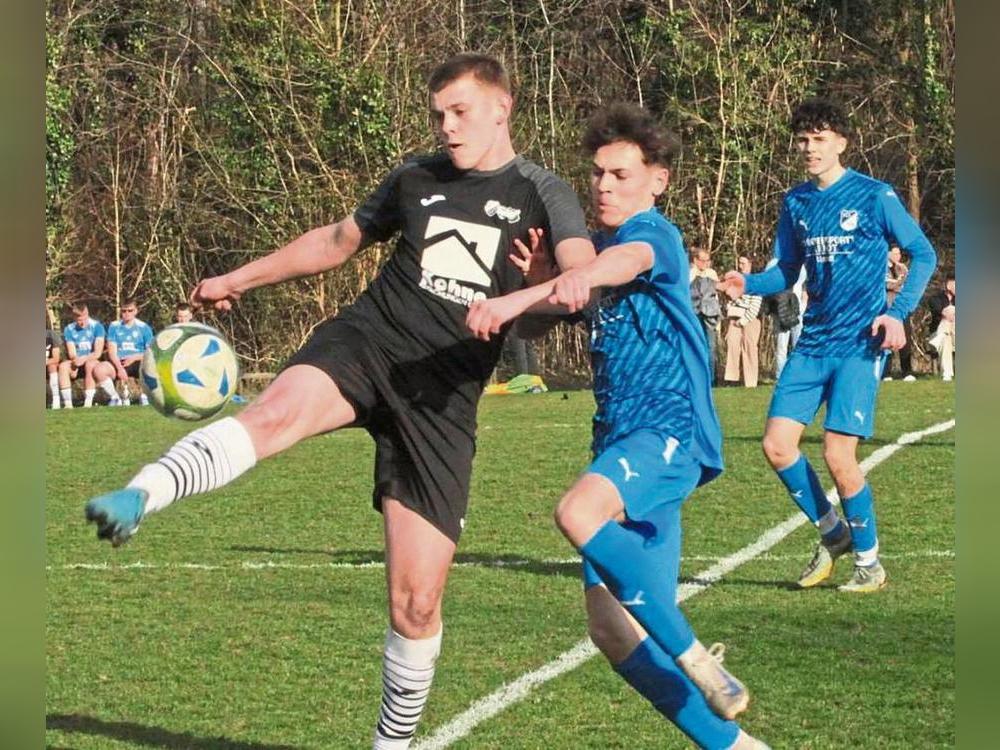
67, 397
828, 522
868, 557
203, 460
88, 396
54, 388
407, 672
108, 386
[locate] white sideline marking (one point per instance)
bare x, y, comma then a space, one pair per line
379, 565
497, 701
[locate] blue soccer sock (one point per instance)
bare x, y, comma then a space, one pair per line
659, 680
859, 510
803, 485
633, 571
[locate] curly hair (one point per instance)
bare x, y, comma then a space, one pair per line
818, 113
632, 124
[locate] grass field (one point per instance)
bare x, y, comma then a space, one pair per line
248, 619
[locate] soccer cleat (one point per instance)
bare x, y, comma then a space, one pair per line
726, 695
117, 514
866, 579
821, 566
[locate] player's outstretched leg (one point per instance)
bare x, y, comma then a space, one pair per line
302, 401
781, 446
631, 566
859, 510
418, 557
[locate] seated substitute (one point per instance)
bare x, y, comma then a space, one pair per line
656, 432
128, 339
53, 353
84, 341
183, 313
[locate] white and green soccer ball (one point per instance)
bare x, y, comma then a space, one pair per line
189, 371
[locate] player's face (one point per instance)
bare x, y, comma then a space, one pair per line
470, 118
701, 260
622, 184
950, 286
81, 317
128, 313
184, 316
744, 264
821, 150
895, 255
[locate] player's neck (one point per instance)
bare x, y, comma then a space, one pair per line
826, 179
501, 154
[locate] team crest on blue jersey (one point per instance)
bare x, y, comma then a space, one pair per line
848, 219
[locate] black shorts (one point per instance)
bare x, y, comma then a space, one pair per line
423, 444
132, 368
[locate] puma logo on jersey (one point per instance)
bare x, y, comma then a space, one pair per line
859, 416
495, 208
635, 601
668, 451
432, 200
628, 471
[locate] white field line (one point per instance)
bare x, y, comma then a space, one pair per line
495, 702
569, 562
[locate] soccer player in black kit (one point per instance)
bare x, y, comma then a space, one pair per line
398, 362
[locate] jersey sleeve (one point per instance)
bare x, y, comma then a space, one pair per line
787, 252
67, 336
379, 217
902, 230
99, 332
113, 334
147, 336
562, 207
669, 258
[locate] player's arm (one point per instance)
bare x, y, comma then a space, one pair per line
778, 277
567, 293
115, 360
71, 351
903, 229
53, 359
534, 262
98, 349
314, 252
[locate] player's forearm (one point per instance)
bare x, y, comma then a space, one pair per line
923, 261
318, 250
776, 279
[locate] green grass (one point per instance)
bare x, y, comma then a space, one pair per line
168, 656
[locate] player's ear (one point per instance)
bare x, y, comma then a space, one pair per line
505, 104
841, 144
661, 178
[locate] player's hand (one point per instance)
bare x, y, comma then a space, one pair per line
216, 292
572, 289
122, 375
486, 316
733, 285
535, 261
894, 337
78, 362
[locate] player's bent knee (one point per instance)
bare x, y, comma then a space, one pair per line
415, 614
779, 452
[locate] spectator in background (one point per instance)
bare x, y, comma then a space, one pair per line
128, 340
521, 354
942, 307
787, 307
743, 334
84, 341
705, 300
895, 274
183, 313
53, 342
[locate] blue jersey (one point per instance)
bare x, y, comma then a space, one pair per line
83, 338
842, 236
649, 352
130, 340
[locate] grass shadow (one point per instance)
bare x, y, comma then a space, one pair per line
128, 731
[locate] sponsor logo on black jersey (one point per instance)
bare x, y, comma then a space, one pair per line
457, 261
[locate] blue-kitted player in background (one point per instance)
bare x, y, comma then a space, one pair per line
128, 339
656, 433
839, 224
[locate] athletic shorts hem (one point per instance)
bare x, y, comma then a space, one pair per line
394, 491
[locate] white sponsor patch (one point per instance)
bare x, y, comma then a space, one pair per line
848, 219
508, 214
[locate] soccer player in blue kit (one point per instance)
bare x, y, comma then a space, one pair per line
656, 434
128, 340
839, 224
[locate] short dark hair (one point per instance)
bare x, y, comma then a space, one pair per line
80, 306
818, 113
130, 302
182, 306
483, 68
632, 124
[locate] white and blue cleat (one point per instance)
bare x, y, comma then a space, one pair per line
117, 514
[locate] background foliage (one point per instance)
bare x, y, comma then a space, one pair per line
187, 137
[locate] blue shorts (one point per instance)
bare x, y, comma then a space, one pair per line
648, 469
848, 386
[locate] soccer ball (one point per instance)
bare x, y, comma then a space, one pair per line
189, 371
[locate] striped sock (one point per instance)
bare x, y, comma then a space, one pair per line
407, 672
203, 460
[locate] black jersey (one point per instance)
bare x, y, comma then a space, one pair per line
52, 341
456, 230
